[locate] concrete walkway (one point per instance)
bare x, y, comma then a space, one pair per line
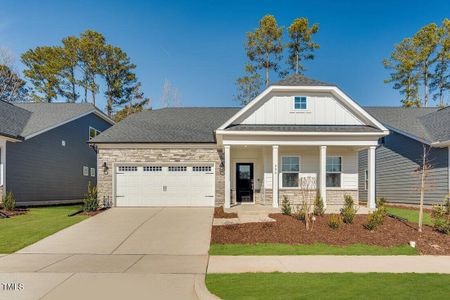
329, 264
123, 253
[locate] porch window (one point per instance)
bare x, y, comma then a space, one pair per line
290, 168
334, 170
300, 103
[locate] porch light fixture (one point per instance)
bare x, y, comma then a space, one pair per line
222, 168
105, 168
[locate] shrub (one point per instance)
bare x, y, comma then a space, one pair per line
300, 214
90, 201
348, 212
334, 221
380, 203
286, 208
318, 207
375, 219
441, 217
9, 202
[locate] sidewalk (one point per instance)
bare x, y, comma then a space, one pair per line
329, 264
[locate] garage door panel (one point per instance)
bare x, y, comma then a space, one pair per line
175, 185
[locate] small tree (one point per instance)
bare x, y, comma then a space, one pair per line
423, 171
286, 208
9, 202
307, 186
348, 212
90, 201
318, 207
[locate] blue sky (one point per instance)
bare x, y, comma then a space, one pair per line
198, 45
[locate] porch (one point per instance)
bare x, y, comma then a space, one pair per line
301, 173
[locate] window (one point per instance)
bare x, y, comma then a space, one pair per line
85, 171
334, 169
127, 169
93, 132
290, 167
92, 172
300, 103
177, 169
366, 179
152, 169
201, 169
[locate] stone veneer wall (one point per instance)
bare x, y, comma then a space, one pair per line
334, 197
295, 196
154, 155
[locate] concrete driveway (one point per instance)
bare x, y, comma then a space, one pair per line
134, 253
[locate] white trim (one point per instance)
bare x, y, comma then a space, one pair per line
326, 172
280, 179
366, 179
275, 171
94, 111
323, 174
97, 132
234, 163
334, 90
371, 167
156, 146
299, 109
301, 143
3, 166
227, 162
441, 144
300, 133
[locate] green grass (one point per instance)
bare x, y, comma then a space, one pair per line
329, 286
313, 249
410, 215
21, 231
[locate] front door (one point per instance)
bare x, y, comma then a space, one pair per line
244, 182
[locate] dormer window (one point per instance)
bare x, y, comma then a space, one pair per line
300, 103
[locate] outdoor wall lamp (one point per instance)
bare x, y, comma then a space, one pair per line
222, 168
105, 168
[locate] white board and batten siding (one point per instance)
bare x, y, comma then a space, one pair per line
322, 109
165, 185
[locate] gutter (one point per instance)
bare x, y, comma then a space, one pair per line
440, 144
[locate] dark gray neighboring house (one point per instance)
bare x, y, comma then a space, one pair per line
45, 157
399, 154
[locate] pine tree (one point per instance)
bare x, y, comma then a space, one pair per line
248, 86
441, 78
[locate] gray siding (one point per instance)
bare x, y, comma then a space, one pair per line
396, 177
41, 171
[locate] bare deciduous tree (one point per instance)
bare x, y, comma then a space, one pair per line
12, 87
423, 171
307, 188
170, 95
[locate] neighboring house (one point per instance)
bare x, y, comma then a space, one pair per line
399, 155
45, 156
296, 128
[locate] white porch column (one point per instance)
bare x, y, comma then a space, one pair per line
275, 176
371, 179
227, 177
323, 175
3, 167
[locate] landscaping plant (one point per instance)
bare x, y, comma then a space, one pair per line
307, 185
377, 217
9, 202
334, 221
90, 201
286, 208
441, 217
318, 207
300, 213
348, 212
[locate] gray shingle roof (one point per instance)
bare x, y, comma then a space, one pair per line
300, 80
23, 119
12, 120
426, 123
304, 128
168, 125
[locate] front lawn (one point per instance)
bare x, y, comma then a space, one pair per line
329, 286
411, 215
21, 231
313, 249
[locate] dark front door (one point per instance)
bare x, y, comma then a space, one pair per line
244, 182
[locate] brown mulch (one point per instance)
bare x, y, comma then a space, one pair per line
13, 213
288, 230
221, 214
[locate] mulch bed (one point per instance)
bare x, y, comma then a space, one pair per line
288, 230
221, 214
16, 212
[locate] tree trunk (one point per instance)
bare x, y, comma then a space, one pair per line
267, 70
425, 84
296, 63
74, 97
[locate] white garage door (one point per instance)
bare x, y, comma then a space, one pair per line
165, 185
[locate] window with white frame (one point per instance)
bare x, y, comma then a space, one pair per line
300, 103
92, 172
152, 168
128, 169
85, 171
201, 168
334, 171
290, 168
177, 169
366, 179
93, 132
